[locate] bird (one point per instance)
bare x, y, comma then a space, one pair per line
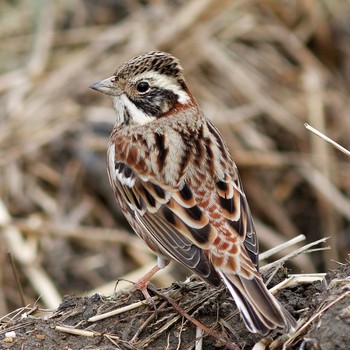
179, 188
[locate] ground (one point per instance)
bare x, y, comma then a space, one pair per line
321, 307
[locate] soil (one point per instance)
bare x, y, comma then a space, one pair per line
325, 305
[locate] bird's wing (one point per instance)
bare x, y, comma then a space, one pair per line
236, 211
169, 218
179, 225
233, 206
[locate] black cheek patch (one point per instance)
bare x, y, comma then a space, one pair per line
156, 102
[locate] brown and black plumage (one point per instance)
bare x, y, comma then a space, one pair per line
176, 182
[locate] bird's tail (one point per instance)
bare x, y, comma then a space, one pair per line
260, 310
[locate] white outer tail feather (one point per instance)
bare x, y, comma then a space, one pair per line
247, 319
285, 323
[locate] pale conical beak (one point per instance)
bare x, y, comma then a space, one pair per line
107, 86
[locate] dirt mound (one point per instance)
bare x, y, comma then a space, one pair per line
169, 323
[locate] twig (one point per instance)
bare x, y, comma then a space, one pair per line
154, 335
270, 237
179, 334
295, 280
293, 254
199, 338
280, 247
18, 282
76, 331
327, 139
317, 276
120, 310
15, 313
147, 322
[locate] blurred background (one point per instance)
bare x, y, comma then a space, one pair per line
258, 69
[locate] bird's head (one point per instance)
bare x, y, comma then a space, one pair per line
146, 88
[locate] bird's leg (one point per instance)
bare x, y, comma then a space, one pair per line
142, 283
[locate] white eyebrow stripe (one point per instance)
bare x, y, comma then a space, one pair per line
166, 83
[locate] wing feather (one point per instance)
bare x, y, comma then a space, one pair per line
237, 213
172, 219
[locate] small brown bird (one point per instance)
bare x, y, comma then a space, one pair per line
176, 182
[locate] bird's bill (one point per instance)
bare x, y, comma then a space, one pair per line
106, 86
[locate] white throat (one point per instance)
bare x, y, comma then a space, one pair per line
126, 109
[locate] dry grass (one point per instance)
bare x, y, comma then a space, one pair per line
259, 70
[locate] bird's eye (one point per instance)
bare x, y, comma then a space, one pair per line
143, 86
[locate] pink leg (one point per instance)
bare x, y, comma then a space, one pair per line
141, 284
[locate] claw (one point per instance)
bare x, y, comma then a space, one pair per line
142, 283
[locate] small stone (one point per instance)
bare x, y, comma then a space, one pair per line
40, 337
11, 334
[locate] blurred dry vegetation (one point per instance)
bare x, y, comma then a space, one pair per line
259, 70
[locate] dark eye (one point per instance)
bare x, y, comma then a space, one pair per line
143, 86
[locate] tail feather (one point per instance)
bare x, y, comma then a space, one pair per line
260, 310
